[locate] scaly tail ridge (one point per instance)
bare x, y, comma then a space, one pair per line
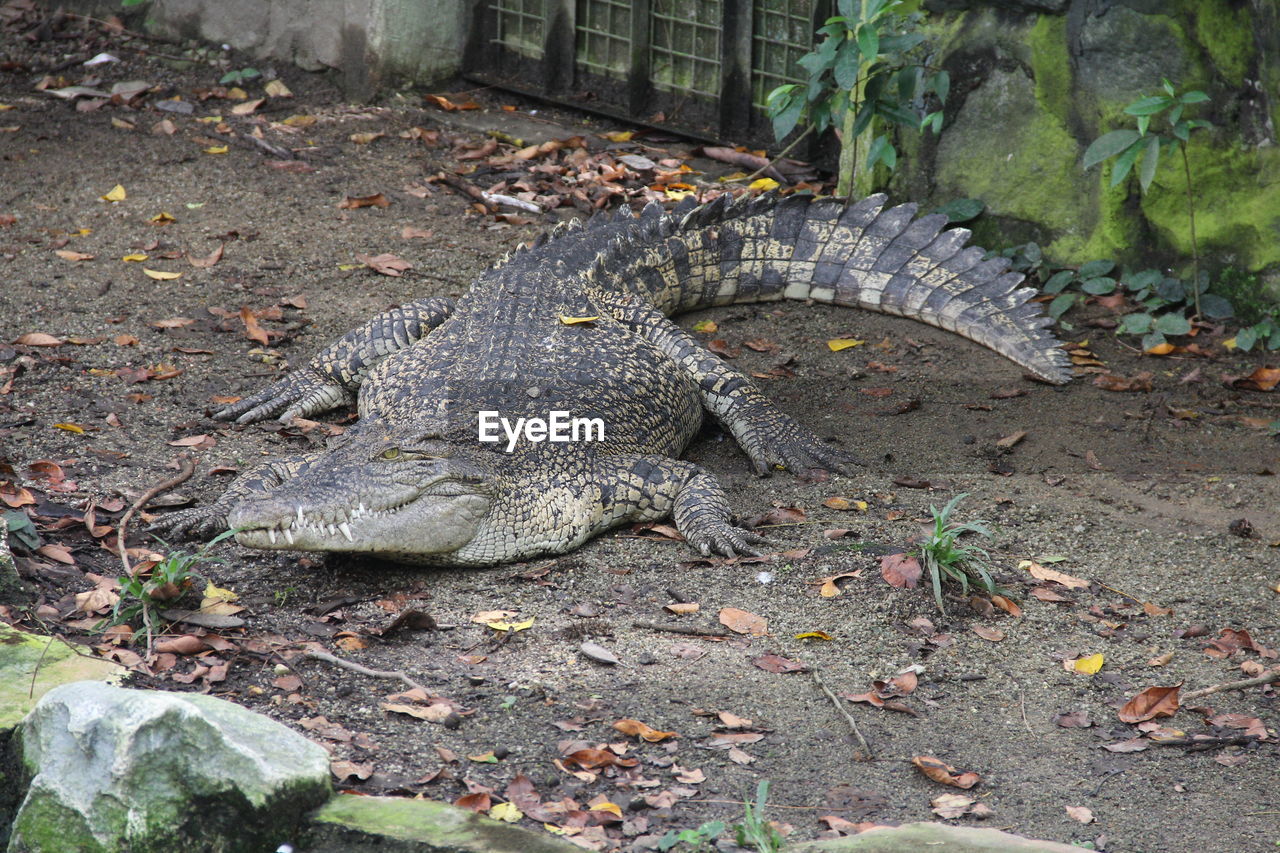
865, 255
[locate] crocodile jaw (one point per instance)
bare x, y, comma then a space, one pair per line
413, 528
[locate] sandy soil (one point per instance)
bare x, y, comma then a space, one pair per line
1136, 493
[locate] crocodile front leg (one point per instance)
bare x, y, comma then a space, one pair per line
650, 488
205, 522
333, 376
769, 436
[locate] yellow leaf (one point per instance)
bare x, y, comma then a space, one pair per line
117, 193
619, 135
573, 321
82, 232
707, 327
1161, 349
677, 195
508, 813
611, 808
350, 266
814, 635
299, 121
4, 107
277, 89
511, 626
1088, 665
210, 120
235, 93
837, 344
216, 149
136, 256
217, 593
486, 758
162, 218
1230, 343
159, 275
247, 107
76, 428
734, 176
763, 184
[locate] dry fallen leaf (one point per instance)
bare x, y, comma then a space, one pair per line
1047, 574
635, 728
900, 570
1150, 703
742, 622
385, 263
940, 771
1080, 813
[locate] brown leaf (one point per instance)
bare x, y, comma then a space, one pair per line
1046, 574
355, 202
831, 585
207, 260
252, 330
1080, 813
436, 712
635, 728
1262, 379
742, 622
940, 771
1006, 605
171, 323
58, 553
1135, 744
771, 662
594, 759
995, 635
385, 263
1044, 593
722, 348
778, 515
409, 232
1150, 703
38, 339
951, 806
1112, 382
900, 570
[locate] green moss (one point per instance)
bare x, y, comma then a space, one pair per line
1237, 203
1227, 34
1051, 65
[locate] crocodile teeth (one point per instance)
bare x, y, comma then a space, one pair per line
346, 531
333, 530
301, 521
288, 535
271, 532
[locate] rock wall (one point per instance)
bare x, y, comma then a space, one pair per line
1033, 83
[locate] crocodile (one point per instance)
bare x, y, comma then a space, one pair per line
577, 323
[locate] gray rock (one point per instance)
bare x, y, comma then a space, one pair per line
1124, 53
116, 769
353, 824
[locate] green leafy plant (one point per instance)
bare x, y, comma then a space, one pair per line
1142, 147
755, 831
145, 593
239, 76
863, 80
945, 557
695, 840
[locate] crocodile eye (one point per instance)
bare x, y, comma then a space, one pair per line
390, 453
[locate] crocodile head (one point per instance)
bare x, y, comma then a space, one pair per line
403, 498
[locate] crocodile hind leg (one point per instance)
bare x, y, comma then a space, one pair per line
650, 488
205, 522
333, 376
770, 437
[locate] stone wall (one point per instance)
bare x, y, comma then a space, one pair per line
1033, 83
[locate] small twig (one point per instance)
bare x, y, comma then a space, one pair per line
31, 691
1203, 742
783, 153
1269, 677
364, 670
865, 754
1106, 777
188, 468
460, 185
1022, 701
250, 141
681, 629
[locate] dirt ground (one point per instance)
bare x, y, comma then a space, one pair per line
1141, 494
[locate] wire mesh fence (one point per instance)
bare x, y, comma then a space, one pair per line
705, 67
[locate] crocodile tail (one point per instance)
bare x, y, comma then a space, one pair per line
865, 255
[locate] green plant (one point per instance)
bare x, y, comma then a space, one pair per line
239, 76
695, 839
1129, 146
945, 557
862, 80
755, 831
145, 592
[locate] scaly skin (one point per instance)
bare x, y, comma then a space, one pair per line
412, 482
